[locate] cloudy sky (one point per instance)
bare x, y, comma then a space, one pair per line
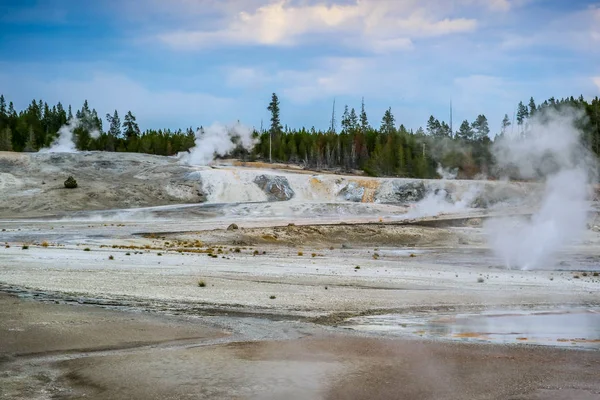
180, 63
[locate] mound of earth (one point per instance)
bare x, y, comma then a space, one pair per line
32, 184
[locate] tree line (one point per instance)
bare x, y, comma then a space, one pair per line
382, 148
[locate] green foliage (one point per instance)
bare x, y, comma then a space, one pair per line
6, 139
390, 150
70, 183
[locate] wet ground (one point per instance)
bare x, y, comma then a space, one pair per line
565, 327
69, 352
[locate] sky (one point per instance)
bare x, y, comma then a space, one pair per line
182, 63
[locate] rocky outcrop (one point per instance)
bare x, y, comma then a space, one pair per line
277, 188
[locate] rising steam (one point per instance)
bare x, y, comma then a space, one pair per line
64, 143
551, 151
217, 140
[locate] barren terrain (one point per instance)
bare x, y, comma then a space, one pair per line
154, 279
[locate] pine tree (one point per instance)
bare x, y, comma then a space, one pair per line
465, 132
364, 122
434, 127
345, 120
532, 107
131, 128
505, 124
521, 113
481, 127
388, 123
30, 143
275, 121
445, 130
353, 120
69, 114
2, 106
114, 122
6, 139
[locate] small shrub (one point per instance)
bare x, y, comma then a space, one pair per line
480, 280
7, 246
331, 248
375, 256
159, 254
70, 183
128, 254
256, 252
314, 254
585, 274
111, 257
576, 276
201, 283
45, 244
232, 227
214, 255
596, 274
3, 229
412, 255
86, 249
25, 247
237, 250
272, 297
357, 267
300, 253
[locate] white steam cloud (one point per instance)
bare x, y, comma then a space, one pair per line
550, 150
64, 143
217, 140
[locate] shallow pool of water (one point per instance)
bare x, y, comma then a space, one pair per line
564, 328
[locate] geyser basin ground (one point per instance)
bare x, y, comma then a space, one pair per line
278, 295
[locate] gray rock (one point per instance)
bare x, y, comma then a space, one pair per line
352, 192
408, 191
276, 187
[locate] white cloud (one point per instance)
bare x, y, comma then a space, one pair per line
385, 25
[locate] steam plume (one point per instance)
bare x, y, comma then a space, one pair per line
64, 142
217, 140
550, 150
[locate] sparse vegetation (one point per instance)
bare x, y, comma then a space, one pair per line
87, 249
201, 283
159, 254
256, 252
128, 254
70, 183
237, 250
584, 274
272, 297
300, 253
45, 244
596, 274
357, 267
25, 247
232, 227
111, 257
480, 280
314, 255
375, 256
412, 255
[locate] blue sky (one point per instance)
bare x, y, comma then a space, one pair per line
181, 63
